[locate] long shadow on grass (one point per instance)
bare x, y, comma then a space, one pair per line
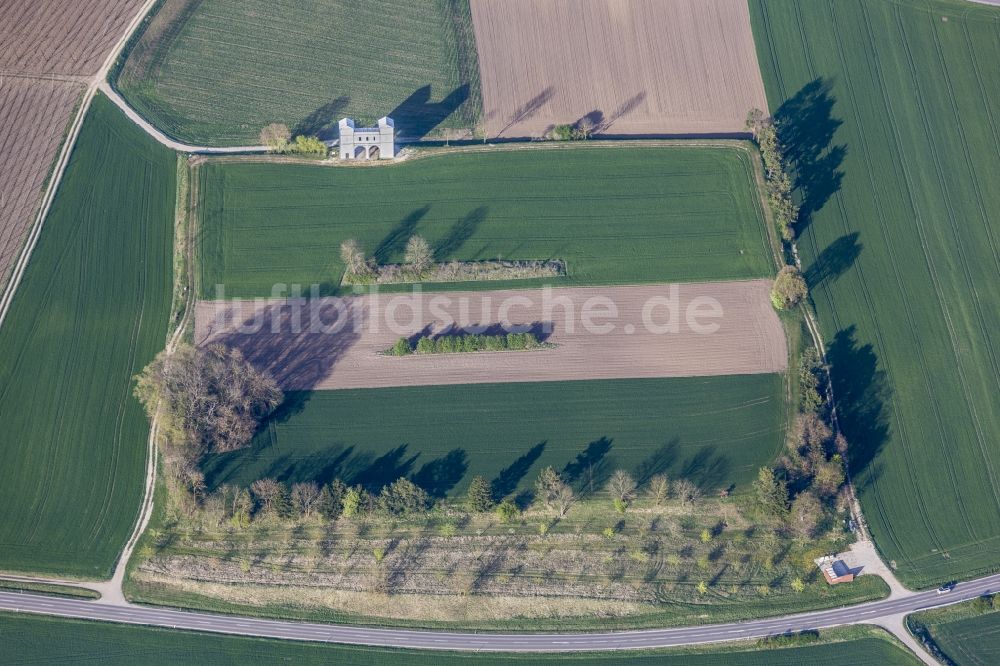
862, 394
806, 127
657, 462
508, 479
587, 472
439, 476
395, 242
834, 261
417, 115
322, 122
459, 233
706, 469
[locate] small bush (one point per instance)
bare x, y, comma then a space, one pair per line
507, 511
402, 348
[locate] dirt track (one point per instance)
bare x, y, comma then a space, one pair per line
641, 66
749, 338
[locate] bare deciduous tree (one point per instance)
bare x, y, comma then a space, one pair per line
622, 486
305, 498
687, 492
658, 489
353, 257
563, 499
269, 495
551, 490
419, 255
276, 137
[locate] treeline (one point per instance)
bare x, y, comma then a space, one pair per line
270, 498
449, 344
805, 490
777, 176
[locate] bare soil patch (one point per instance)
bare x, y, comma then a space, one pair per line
60, 37
634, 66
288, 338
35, 115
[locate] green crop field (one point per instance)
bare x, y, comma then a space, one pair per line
616, 216
891, 113
91, 311
217, 71
715, 431
32, 639
962, 635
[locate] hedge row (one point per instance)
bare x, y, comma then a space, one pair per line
450, 344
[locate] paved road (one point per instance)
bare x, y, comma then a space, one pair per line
868, 613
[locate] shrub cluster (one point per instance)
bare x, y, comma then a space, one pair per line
207, 399
451, 344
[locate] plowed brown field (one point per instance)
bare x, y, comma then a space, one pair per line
35, 114
749, 337
635, 66
71, 37
48, 51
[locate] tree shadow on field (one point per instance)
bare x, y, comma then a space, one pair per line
529, 108
297, 341
374, 474
834, 261
322, 122
658, 462
460, 232
417, 115
627, 107
395, 242
706, 468
587, 471
439, 476
806, 127
863, 395
508, 479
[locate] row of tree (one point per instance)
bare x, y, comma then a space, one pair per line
449, 344
776, 172
272, 498
807, 484
418, 258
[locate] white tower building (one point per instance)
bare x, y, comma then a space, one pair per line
367, 143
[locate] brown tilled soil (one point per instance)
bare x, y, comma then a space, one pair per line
48, 51
68, 37
749, 339
635, 66
35, 115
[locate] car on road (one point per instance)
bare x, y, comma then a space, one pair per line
946, 588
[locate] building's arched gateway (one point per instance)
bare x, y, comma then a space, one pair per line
371, 143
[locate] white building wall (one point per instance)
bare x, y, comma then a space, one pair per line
358, 142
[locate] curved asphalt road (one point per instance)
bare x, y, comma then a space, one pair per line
868, 613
